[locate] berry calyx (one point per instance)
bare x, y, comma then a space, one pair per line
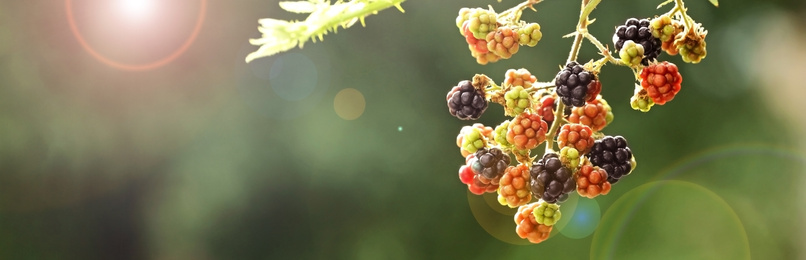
547, 213
661, 81
551, 180
481, 22
638, 32
595, 114
517, 101
612, 155
641, 101
527, 226
576, 136
503, 42
529, 35
592, 181
491, 162
573, 83
692, 45
526, 131
513, 188
466, 101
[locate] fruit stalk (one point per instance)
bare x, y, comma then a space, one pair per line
582, 28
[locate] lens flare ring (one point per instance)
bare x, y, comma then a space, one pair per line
135, 67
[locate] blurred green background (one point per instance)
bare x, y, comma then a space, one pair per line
207, 157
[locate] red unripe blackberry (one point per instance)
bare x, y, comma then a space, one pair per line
546, 109
639, 32
513, 188
612, 155
575, 84
526, 131
592, 181
503, 42
596, 114
661, 81
551, 181
527, 227
491, 162
576, 136
476, 183
466, 102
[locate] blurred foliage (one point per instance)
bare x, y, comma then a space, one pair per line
200, 159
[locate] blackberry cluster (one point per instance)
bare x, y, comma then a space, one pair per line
551, 181
491, 162
639, 32
573, 84
466, 102
612, 155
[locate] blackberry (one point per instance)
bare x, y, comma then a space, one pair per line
661, 81
546, 109
547, 213
513, 188
529, 35
573, 83
596, 114
503, 42
491, 162
577, 136
639, 32
466, 102
592, 181
612, 155
526, 131
551, 181
526, 225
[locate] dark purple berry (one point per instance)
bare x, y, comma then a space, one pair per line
466, 102
551, 181
612, 155
638, 31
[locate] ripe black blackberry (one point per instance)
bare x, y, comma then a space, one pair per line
466, 102
551, 181
638, 31
612, 155
491, 162
572, 84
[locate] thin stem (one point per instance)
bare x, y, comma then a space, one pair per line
582, 28
513, 15
682, 9
540, 85
603, 50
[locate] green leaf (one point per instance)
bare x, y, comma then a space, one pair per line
300, 7
715, 2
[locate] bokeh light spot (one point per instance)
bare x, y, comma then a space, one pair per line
293, 76
670, 220
349, 104
583, 221
136, 9
400, 129
497, 220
